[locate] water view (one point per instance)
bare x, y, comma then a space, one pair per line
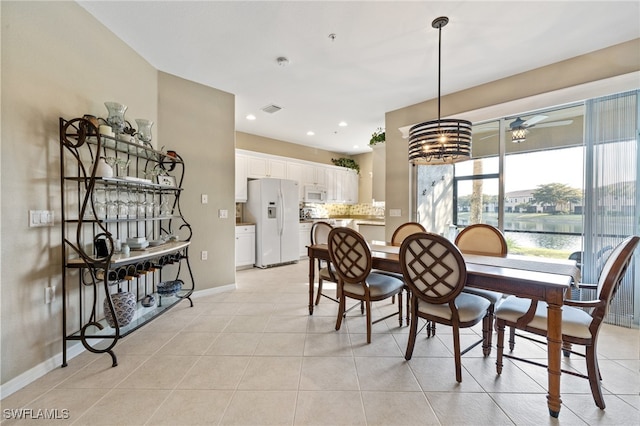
537, 233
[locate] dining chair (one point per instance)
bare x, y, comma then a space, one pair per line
404, 230
483, 239
326, 272
351, 257
436, 273
400, 233
581, 319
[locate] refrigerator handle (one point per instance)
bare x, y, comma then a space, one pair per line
281, 212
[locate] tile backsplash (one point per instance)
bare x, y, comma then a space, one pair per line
346, 210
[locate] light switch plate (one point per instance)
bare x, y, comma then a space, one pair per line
40, 218
223, 213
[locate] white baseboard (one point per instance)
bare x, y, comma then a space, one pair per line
214, 290
55, 361
38, 371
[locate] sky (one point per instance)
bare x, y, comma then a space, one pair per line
529, 170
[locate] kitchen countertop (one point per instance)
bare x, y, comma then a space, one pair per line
357, 221
370, 222
244, 223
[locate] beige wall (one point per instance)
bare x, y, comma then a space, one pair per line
365, 178
285, 149
604, 64
198, 122
58, 61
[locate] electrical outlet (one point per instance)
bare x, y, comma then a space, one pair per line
204, 198
204, 255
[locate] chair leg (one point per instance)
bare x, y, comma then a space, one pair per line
500, 345
487, 331
368, 303
593, 372
456, 352
319, 291
400, 308
512, 338
408, 292
341, 310
566, 349
413, 329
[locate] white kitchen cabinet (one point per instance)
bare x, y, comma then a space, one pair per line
313, 175
351, 187
342, 185
294, 172
241, 178
245, 246
334, 192
265, 167
305, 237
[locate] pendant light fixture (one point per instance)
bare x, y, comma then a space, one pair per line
441, 141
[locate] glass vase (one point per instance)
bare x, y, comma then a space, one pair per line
144, 130
116, 116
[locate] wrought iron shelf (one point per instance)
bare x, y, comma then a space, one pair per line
91, 223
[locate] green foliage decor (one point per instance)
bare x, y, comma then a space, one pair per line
377, 137
346, 162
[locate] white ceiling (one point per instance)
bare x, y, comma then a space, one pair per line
383, 57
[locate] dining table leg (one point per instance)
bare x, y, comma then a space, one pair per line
312, 262
554, 346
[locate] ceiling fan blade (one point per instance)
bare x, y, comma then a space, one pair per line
535, 119
488, 136
555, 123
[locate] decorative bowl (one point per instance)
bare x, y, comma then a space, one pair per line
169, 288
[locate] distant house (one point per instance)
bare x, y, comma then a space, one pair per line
522, 202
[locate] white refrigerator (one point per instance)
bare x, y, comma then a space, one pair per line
273, 205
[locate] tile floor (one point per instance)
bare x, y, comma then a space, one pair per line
254, 356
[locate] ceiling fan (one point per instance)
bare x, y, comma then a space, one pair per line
519, 127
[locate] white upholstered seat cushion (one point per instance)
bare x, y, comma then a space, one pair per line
493, 296
470, 308
379, 284
325, 275
575, 322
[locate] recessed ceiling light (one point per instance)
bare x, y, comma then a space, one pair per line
310, 133
251, 117
343, 124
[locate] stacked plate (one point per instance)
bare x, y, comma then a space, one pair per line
137, 243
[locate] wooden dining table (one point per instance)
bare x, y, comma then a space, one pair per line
522, 276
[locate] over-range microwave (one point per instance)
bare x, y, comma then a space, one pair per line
315, 194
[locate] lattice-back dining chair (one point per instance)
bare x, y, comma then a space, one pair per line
326, 272
436, 273
400, 233
351, 257
404, 230
579, 326
484, 240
